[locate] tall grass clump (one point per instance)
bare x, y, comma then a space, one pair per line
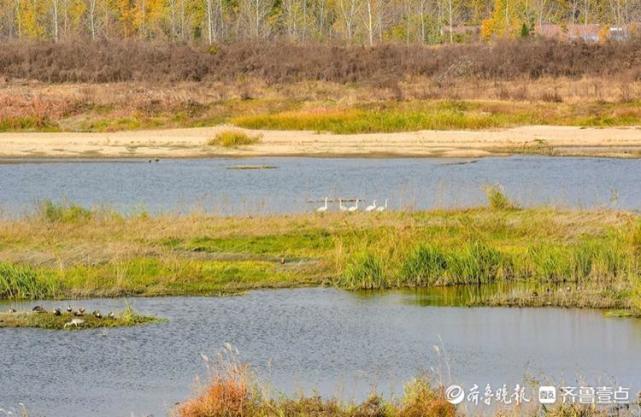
477, 263
424, 266
21, 282
497, 199
364, 271
63, 212
549, 263
232, 139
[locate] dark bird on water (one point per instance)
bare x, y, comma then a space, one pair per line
97, 314
57, 312
38, 309
69, 309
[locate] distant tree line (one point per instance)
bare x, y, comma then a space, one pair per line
367, 22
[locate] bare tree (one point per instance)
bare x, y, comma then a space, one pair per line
54, 17
348, 9
92, 19
209, 21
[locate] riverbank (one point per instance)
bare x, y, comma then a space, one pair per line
576, 258
194, 143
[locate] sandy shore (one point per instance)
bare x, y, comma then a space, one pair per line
191, 143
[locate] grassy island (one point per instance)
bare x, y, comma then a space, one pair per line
579, 258
70, 321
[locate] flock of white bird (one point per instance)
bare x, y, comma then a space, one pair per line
371, 208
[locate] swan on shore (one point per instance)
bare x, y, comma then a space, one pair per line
74, 322
371, 207
382, 208
323, 209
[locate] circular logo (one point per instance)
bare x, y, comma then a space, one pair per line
454, 394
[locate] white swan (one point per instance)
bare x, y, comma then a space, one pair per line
341, 206
353, 208
382, 208
371, 207
74, 322
322, 209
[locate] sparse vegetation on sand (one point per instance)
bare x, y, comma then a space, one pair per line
580, 258
69, 321
232, 139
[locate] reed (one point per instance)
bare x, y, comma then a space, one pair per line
497, 198
22, 282
424, 266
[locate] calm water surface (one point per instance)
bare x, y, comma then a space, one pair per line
338, 342
210, 184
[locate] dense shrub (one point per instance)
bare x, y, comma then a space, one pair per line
278, 62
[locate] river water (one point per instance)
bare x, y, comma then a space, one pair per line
299, 184
337, 342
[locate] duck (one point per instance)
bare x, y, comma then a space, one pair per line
57, 312
12, 310
38, 309
111, 315
69, 309
97, 314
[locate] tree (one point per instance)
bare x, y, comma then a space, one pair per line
506, 20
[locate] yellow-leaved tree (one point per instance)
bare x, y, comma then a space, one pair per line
506, 20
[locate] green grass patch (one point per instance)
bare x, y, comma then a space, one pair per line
388, 117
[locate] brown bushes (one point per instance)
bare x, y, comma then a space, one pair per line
231, 393
277, 62
226, 396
